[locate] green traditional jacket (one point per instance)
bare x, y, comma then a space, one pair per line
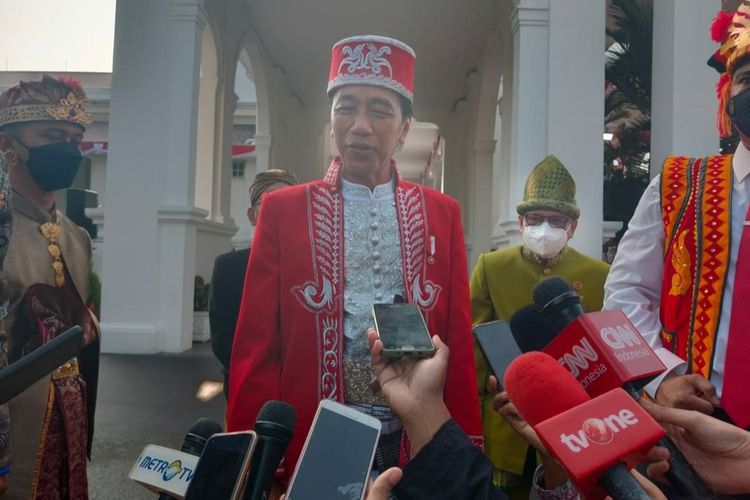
501, 284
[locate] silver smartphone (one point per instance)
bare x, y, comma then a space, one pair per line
402, 330
221, 471
337, 456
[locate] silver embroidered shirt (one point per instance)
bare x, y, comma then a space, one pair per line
372, 259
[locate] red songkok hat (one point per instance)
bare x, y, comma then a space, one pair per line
373, 60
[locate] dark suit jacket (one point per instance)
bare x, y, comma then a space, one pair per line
224, 301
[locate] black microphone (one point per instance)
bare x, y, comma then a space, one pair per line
531, 331
195, 441
558, 303
274, 427
560, 306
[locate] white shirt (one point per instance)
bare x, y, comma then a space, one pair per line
635, 279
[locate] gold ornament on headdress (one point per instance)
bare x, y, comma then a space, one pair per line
71, 108
737, 43
51, 233
732, 31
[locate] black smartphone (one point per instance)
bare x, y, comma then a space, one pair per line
221, 471
402, 330
498, 346
337, 456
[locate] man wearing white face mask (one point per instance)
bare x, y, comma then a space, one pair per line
501, 284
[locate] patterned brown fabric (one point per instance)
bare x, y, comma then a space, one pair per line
48, 99
265, 179
61, 465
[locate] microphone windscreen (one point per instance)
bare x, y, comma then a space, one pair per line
277, 413
531, 331
200, 431
205, 427
548, 290
541, 388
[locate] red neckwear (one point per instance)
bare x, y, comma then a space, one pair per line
736, 395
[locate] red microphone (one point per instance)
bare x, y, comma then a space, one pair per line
603, 350
597, 440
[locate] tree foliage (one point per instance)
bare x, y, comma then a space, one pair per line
627, 106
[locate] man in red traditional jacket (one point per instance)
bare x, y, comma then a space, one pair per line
325, 251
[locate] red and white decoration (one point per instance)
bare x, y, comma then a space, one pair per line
373, 60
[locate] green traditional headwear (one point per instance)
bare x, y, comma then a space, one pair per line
550, 187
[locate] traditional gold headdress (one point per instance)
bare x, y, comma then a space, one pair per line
48, 99
732, 31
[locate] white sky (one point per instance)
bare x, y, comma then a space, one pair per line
57, 35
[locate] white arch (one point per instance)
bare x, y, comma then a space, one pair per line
249, 53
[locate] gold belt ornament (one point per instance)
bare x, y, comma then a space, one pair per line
66, 370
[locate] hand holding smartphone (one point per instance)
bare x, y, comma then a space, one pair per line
337, 456
402, 330
221, 472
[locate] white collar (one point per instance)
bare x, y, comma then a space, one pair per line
741, 162
353, 191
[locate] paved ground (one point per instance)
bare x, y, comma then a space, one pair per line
146, 400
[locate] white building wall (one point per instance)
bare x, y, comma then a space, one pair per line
150, 218
99, 176
575, 115
683, 102
239, 204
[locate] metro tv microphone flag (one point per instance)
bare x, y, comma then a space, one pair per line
603, 350
166, 471
596, 440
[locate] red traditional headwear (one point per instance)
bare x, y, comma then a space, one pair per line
373, 60
732, 31
48, 99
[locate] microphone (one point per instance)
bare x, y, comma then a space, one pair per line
596, 441
169, 472
531, 331
603, 350
558, 303
274, 427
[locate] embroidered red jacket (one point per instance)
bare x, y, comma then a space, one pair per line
289, 340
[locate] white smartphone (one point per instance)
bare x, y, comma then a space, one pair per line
221, 471
402, 330
337, 456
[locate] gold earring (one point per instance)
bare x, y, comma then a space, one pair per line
11, 157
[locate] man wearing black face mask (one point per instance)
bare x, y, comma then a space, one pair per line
48, 268
682, 271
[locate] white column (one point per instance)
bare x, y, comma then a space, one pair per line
482, 216
205, 142
683, 96
528, 134
263, 152
149, 251
221, 207
575, 113
505, 229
